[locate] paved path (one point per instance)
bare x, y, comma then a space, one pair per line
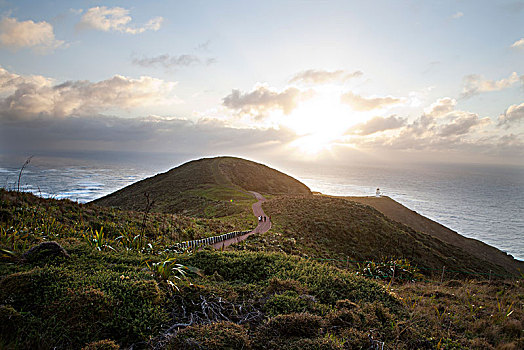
263, 226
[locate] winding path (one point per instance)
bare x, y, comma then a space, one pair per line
263, 226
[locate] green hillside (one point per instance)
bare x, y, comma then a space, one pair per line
105, 292
209, 187
330, 274
336, 228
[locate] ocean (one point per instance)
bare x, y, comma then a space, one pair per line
485, 202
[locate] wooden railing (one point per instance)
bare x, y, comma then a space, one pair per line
210, 240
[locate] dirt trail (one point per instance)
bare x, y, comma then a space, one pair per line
263, 226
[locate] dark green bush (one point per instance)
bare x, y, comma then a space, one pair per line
276, 286
10, 321
149, 290
294, 325
105, 344
82, 301
290, 302
220, 335
313, 344
327, 283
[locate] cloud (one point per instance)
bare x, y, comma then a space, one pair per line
38, 36
263, 98
462, 124
459, 131
519, 44
143, 134
457, 15
514, 114
168, 61
441, 107
30, 97
314, 76
378, 124
115, 19
361, 103
474, 84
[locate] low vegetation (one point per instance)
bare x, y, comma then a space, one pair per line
345, 231
81, 276
27, 220
211, 188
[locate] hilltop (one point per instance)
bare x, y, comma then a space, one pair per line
208, 187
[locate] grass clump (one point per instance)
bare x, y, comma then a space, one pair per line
216, 336
10, 321
295, 325
105, 344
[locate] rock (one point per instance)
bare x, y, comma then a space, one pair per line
45, 251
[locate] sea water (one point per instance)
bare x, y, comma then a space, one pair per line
481, 202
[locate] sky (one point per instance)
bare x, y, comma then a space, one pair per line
379, 81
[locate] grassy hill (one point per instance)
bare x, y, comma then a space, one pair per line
111, 293
396, 211
336, 228
209, 187
121, 283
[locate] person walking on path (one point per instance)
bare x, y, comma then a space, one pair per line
264, 224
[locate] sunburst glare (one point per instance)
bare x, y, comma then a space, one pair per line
321, 121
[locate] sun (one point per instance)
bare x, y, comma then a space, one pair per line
320, 122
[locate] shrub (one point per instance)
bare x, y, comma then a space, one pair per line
149, 290
17, 288
298, 324
45, 251
220, 335
10, 321
314, 344
356, 339
285, 303
290, 302
105, 344
277, 285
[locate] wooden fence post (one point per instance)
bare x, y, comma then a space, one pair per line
394, 268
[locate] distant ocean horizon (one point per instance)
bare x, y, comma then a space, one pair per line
485, 202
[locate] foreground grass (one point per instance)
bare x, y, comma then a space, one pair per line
26, 220
106, 298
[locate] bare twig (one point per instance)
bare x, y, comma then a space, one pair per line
149, 205
27, 161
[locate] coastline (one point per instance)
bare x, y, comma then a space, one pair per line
400, 213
